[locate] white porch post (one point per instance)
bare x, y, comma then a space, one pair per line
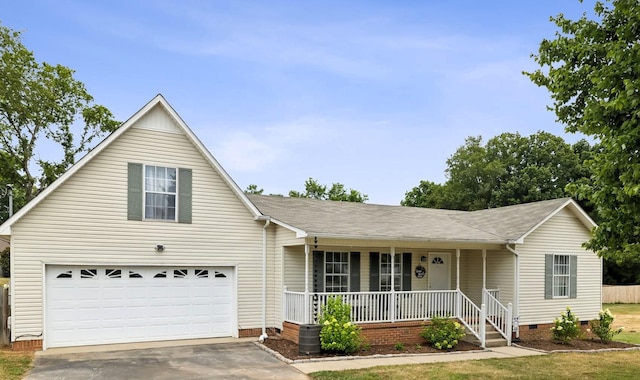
484, 269
458, 293
307, 305
392, 303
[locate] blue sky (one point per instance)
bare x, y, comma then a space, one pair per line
375, 95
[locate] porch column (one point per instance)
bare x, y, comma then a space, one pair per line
392, 303
484, 269
307, 305
458, 293
457, 268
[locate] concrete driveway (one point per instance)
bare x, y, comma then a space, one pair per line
240, 360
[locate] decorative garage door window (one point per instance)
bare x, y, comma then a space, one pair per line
88, 273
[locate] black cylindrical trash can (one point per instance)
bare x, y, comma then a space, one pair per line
309, 339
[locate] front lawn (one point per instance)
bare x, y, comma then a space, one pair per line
14, 364
626, 315
606, 365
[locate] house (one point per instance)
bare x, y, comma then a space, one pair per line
147, 238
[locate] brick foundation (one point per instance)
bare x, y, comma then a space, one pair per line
541, 331
27, 345
373, 333
249, 333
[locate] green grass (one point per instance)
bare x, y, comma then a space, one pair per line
14, 365
608, 365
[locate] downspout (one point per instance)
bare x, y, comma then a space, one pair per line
516, 298
264, 335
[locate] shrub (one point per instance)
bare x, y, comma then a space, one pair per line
565, 328
443, 333
337, 332
399, 346
602, 326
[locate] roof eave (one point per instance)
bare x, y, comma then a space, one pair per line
400, 238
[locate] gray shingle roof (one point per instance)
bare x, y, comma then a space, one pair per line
369, 221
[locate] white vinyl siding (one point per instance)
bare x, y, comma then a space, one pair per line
563, 234
85, 222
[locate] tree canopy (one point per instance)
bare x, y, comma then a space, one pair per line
39, 102
592, 70
509, 169
337, 192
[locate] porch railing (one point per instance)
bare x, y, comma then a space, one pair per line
473, 317
499, 316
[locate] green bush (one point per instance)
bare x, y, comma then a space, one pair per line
337, 332
566, 328
443, 333
5, 261
602, 326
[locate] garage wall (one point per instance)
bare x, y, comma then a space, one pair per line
85, 222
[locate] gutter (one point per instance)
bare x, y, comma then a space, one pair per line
516, 298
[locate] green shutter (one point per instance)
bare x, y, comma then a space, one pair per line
548, 276
354, 272
374, 271
134, 196
406, 271
184, 195
573, 276
318, 271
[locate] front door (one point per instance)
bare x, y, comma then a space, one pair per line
439, 271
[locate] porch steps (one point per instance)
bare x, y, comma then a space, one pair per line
493, 338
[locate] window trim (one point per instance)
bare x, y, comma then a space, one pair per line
555, 285
347, 274
176, 194
399, 273
572, 286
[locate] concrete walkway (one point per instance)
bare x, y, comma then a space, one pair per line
357, 363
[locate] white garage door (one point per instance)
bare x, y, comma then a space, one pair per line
100, 305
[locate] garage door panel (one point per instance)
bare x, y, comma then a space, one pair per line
98, 305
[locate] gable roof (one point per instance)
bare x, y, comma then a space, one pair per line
158, 100
504, 225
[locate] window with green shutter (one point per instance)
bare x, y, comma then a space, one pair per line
561, 273
159, 193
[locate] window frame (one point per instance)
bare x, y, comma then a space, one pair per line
398, 273
561, 289
334, 275
175, 193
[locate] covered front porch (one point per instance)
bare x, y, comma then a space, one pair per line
403, 286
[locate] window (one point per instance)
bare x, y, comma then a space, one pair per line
160, 184
336, 272
560, 276
385, 272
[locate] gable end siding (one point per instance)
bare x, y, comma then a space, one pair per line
563, 234
85, 222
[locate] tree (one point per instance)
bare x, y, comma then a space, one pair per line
39, 101
337, 192
253, 189
509, 169
592, 70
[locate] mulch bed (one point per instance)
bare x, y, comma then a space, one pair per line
574, 345
289, 349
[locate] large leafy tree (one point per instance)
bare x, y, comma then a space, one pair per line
336, 192
592, 70
509, 169
39, 102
